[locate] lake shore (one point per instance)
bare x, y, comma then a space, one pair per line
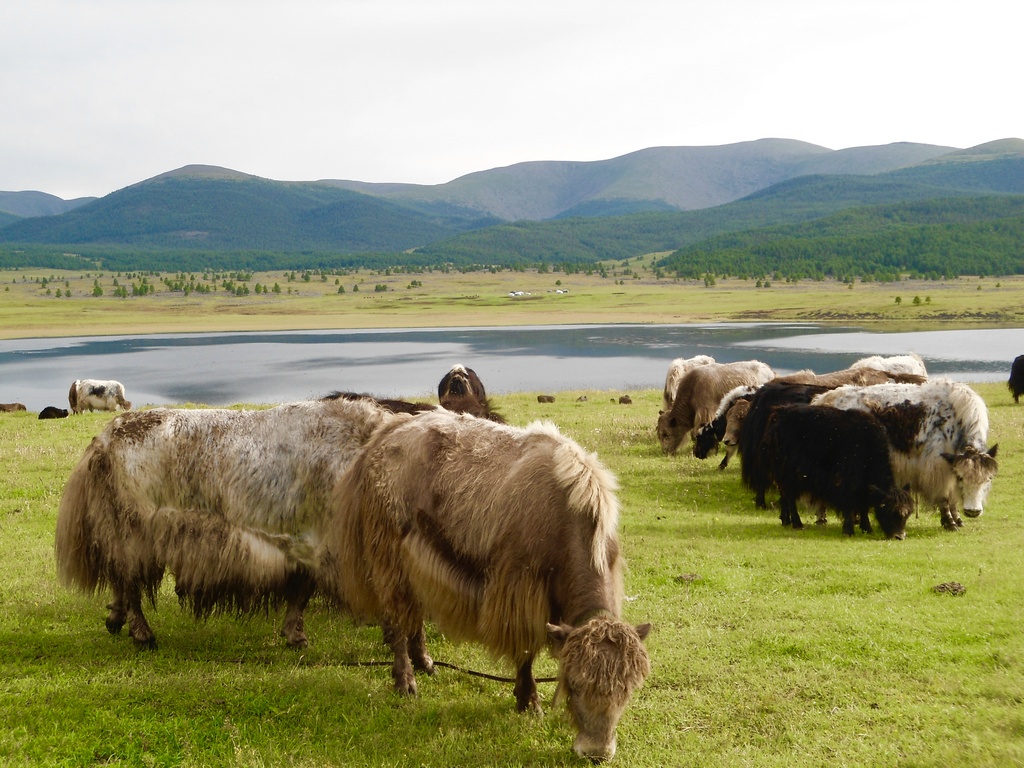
86, 305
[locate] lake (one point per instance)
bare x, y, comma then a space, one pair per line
228, 368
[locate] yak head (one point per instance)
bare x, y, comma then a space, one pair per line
601, 663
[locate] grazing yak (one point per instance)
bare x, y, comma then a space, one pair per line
227, 500
1016, 381
11, 407
501, 535
838, 459
755, 469
461, 391
95, 395
698, 395
725, 425
53, 412
938, 434
912, 364
676, 370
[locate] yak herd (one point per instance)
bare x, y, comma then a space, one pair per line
399, 513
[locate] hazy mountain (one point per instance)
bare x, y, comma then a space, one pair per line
207, 207
680, 178
25, 204
659, 198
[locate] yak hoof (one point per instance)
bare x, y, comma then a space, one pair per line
114, 624
531, 705
424, 664
407, 688
950, 525
146, 643
821, 521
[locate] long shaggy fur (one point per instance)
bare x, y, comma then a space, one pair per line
929, 425
471, 524
230, 501
676, 370
699, 393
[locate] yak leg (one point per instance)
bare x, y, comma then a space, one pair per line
418, 652
789, 514
138, 627
526, 689
298, 590
401, 670
951, 519
865, 521
821, 516
118, 612
127, 607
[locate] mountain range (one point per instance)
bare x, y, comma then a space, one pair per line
676, 193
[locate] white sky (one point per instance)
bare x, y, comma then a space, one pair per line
99, 94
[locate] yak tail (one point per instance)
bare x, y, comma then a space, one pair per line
219, 565
73, 396
591, 491
72, 548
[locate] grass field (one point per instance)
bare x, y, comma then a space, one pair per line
629, 293
771, 647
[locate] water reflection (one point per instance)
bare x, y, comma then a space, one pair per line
225, 368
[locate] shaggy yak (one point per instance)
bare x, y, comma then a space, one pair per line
698, 395
1016, 381
11, 407
755, 468
460, 390
94, 395
733, 407
938, 434
911, 364
225, 500
501, 535
839, 459
676, 370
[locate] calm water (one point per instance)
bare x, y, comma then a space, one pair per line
226, 368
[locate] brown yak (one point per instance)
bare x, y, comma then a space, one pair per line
227, 500
699, 392
501, 535
460, 390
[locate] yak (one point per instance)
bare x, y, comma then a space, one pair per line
229, 501
95, 395
502, 535
676, 370
839, 459
698, 395
938, 435
1016, 380
461, 391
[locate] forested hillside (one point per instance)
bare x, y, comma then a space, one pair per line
932, 238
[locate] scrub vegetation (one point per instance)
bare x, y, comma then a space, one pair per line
44, 302
771, 647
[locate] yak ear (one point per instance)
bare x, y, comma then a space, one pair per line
557, 633
644, 630
992, 451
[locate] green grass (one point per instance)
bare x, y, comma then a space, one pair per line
771, 647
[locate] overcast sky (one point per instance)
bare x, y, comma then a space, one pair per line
99, 94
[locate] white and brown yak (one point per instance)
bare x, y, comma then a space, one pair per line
500, 535
938, 439
228, 501
676, 370
96, 395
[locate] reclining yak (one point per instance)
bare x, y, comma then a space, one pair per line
224, 499
501, 535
